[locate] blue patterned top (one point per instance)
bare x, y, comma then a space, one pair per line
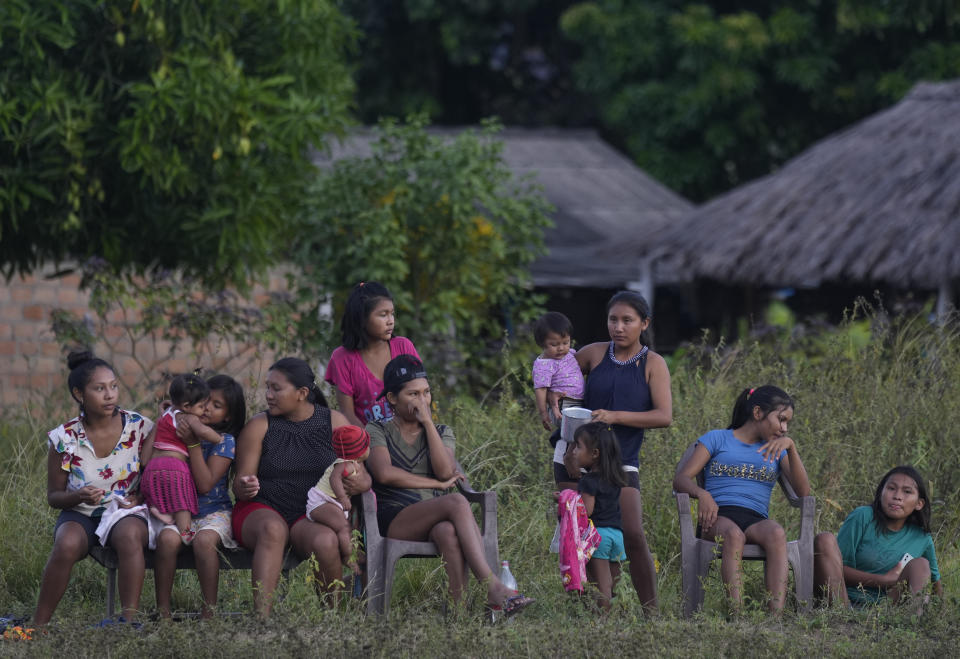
218, 498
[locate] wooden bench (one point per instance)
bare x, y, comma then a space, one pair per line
230, 559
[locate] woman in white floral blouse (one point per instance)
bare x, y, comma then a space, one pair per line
94, 460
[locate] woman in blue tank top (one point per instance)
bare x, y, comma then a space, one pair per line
628, 387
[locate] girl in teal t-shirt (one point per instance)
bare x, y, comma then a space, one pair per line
883, 549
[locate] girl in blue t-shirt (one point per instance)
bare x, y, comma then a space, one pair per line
883, 549
740, 466
597, 450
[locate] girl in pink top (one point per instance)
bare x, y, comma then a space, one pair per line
356, 367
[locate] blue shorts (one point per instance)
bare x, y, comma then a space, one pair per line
611, 544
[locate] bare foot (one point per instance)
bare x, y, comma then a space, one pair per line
166, 518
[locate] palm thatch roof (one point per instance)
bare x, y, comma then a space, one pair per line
599, 196
879, 201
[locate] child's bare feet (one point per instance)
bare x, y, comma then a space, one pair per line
166, 518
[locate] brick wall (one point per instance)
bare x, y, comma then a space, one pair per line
33, 366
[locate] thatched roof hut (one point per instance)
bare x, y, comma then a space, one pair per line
599, 196
877, 202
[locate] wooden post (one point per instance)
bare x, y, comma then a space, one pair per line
944, 300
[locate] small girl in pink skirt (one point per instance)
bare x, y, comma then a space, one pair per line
166, 483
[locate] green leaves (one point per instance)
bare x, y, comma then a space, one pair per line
441, 221
159, 133
706, 99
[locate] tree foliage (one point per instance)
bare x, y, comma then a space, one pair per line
162, 133
708, 95
464, 60
443, 223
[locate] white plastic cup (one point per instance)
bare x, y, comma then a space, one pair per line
573, 418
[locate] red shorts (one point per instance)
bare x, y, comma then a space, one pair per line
241, 509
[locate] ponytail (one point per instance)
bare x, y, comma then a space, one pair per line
767, 398
299, 373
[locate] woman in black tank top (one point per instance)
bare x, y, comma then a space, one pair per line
281, 454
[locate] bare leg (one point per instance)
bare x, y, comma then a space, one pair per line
309, 538
166, 518
731, 540
69, 546
265, 532
331, 516
416, 521
913, 579
182, 519
165, 567
205, 545
642, 571
598, 572
129, 538
444, 536
828, 584
771, 536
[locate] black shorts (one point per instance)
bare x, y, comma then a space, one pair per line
742, 517
88, 523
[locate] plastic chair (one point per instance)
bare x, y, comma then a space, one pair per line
696, 554
383, 553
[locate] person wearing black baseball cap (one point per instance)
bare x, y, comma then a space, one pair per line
412, 463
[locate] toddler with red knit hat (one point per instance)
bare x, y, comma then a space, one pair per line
327, 501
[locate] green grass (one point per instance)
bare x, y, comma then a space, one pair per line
862, 407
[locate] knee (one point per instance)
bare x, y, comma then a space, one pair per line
733, 540
273, 532
128, 539
206, 542
777, 537
917, 568
69, 547
459, 502
168, 542
444, 534
825, 543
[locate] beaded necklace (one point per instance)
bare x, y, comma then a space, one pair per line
632, 360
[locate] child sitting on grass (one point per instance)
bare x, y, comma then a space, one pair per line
883, 550
327, 502
167, 484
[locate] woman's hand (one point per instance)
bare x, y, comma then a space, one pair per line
772, 449
356, 482
184, 432
892, 576
247, 487
421, 410
132, 500
706, 511
604, 416
91, 495
450, 482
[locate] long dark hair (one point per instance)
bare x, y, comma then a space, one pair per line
639, 304
363, 299
920, 517
236, 404
609, 465
301, 375
768, 398
82, 364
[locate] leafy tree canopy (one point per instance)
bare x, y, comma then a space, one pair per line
443, 223
708, 95
163, 133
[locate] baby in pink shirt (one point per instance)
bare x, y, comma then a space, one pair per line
556, 369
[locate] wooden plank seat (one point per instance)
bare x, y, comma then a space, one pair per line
230, 559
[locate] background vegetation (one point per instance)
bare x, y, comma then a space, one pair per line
876, 393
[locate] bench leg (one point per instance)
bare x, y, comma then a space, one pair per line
111, 590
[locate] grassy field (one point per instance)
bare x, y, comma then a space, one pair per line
869, 396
